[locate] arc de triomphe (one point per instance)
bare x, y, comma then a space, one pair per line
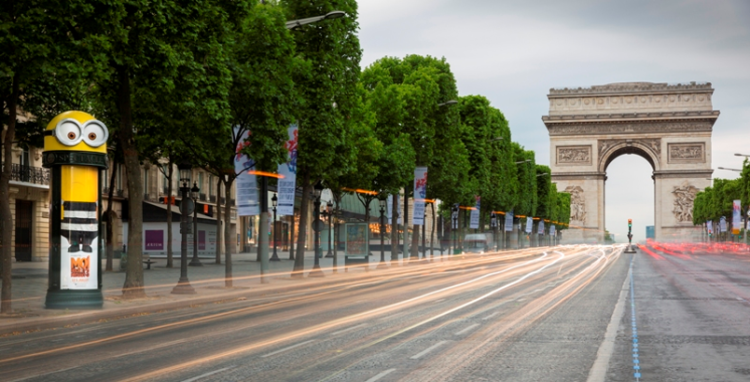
668, 125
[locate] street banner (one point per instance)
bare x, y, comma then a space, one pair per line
389, 208
529, 224
541, 227
247, 186
736, 217
420, 193
474, 218
723, 224
552, 230
509, 221
710, 227
287, 184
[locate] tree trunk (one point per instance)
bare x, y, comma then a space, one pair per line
394, 230
133, 287
432, 231
227, 233
299, 261
406, 223
291, 236
218, 219
111, 219
170, 173
6, 219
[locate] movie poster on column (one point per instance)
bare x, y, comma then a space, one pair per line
288, 183
552, 230
710, 227
79, 249
420, 193
723, 224
474, 218
509, 221
247, 186
529, 224
736, 217
541, 227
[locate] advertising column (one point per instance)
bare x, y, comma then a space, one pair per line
75, 150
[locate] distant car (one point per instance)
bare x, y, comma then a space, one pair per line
477, 242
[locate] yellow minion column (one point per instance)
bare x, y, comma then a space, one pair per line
75, 149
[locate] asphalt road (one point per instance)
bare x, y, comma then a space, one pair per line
532, 315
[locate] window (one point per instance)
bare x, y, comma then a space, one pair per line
200, 181
211, 185
118, 180
145, 181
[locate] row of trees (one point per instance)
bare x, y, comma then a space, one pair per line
176, 82
717, 201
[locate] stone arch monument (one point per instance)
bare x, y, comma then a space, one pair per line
668, 125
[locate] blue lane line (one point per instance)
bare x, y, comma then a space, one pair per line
636, 361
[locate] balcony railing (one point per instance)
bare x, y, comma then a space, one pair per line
146, 197
203, 197
120, 193
105, 190
212, 198
29, 174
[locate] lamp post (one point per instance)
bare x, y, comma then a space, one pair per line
382, 201
329, 215
328, 16
274, 203
454, 217
186, 205
424, 243
195, 193
317, 190
493, 225
730, 169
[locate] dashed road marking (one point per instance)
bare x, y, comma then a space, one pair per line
209, 374
381, 375
466, 329
429, 349
286, 348
347, 329
491, 315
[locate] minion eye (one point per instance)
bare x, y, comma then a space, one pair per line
68, 132
95, 133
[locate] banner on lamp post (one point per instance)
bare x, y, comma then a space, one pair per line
287, 184
552, 230
509, 221
723, 224
474, 218
736, 217
541, 227
420, 193
710, 227
529, 224
247, 185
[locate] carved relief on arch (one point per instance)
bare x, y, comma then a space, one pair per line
652, 147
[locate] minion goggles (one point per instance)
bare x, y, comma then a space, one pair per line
70, 132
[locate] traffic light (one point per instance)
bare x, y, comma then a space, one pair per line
630, 223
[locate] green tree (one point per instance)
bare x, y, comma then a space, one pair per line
154, 61
328, 90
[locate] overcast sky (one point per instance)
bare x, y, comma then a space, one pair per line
513, 52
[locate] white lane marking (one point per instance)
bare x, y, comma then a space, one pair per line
286, 348
381, 375
491, 315
521, 299
347, 329
466, 329
429, 349
151, 348
740, 298
598, 371
537, 290
209, 374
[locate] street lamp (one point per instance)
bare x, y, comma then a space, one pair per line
195, 193
186, 204
542, 174
742, 155
493, 225
382, 201
446, 103
328, 16
524, 161
329, 215
730, 169
274, 203
317, 190
454, 216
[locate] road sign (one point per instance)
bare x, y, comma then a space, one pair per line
318, 225
187, 204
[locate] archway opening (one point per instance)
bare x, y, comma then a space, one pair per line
629, 194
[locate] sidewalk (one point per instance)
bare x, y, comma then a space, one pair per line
30, 288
